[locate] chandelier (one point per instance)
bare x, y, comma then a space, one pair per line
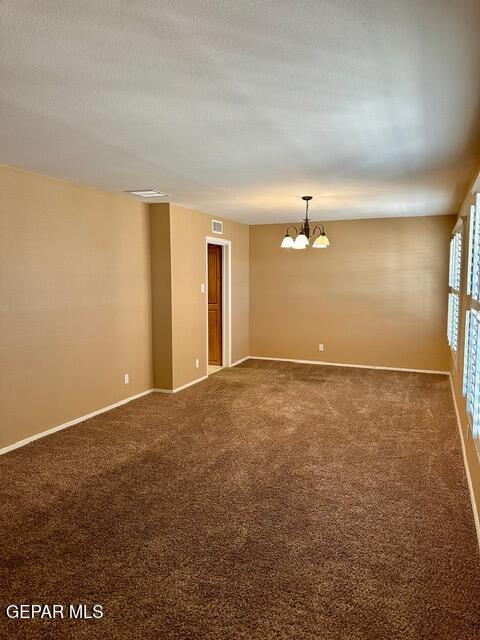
303, 237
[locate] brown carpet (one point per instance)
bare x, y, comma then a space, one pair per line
273, 501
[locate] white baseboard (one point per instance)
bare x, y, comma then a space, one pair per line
189, 384
465, 464
184, 386
234, 364
355, 366
70, 423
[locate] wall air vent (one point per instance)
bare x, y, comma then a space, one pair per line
217, 226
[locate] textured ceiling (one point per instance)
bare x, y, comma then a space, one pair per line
239, 108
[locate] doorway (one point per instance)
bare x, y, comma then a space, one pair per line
215, 307
219, 338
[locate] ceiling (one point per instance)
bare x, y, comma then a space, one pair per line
240, 108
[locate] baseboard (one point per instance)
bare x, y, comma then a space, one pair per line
70, 423
184, 386
344, 364
476, 517
189, 384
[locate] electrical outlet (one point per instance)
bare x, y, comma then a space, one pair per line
320, 347
197, 363
126, 378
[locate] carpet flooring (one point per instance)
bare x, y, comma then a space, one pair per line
272, 501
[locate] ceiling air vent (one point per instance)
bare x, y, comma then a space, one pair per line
149, 193
217, 226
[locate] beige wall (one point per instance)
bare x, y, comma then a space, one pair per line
376, 296
94, 285
472, 449
75, 301
160, 255
189, 230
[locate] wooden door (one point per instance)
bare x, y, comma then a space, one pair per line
214, 304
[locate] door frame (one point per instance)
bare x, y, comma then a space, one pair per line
226, 299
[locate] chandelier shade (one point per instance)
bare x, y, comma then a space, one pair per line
321, 242
303, 237
301, 241
287, 242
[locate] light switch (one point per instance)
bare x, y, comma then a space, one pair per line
202, 287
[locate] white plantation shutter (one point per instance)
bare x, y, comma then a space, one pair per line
466, 354
471, 383
450, 268
454, 281
471, 240
457, 266
473, 287
449, 320
471, 363
453, 314
455, 321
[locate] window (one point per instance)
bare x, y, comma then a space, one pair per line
471, 363
454, 279
473, 281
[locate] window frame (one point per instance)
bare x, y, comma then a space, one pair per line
471, 360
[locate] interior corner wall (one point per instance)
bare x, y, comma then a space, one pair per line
188, 232
376, 296
75, 310
472, 448
161, 278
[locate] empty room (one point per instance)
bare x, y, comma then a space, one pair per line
240, 320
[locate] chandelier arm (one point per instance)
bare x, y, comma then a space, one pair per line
320, 227
292, 227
